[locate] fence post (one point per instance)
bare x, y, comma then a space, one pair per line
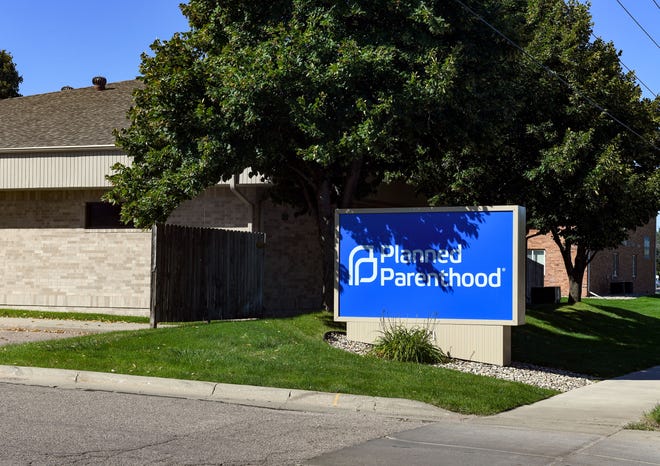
153, 304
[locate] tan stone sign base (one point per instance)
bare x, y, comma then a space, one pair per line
482, 343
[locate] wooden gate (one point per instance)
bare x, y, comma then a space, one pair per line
205, 274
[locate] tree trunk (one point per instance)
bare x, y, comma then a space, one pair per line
325, 214
575, 267
575, 288
326, 221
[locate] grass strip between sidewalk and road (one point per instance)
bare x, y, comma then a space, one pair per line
602, 338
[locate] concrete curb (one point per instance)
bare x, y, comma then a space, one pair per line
248, 395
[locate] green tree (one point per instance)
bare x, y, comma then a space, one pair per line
581, 153
325, 99
596, 177
9, 77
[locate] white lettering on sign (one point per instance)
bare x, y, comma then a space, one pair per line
365, 267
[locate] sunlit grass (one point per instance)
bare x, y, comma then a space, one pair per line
287, 353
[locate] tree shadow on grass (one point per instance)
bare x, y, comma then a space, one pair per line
328, 320
605, 341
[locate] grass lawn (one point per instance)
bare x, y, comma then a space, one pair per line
288, 353
599, 337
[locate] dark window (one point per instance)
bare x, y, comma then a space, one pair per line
615, 265
103, 215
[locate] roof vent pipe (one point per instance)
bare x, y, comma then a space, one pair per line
99, 83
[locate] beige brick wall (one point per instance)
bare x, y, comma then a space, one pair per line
45, 208
93, 270
47, 260
215, 208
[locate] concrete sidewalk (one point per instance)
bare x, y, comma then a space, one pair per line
77, 326
582, 426
602, 408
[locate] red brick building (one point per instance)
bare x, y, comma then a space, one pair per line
628, 269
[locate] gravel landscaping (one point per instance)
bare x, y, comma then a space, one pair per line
554, 379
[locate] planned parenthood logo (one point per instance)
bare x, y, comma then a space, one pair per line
428, 264
365, 267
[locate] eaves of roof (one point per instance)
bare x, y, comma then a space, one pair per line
58, 149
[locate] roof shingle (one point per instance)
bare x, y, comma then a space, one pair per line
77, 117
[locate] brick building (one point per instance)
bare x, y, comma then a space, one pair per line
628, 269
62, 248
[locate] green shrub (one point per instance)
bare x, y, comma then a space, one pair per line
400, 343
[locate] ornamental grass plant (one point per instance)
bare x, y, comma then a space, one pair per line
407, 344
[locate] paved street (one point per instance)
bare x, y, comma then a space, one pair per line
55, 426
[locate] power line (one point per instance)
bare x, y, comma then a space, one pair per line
637, 78
637, 23
554, 73
656, 4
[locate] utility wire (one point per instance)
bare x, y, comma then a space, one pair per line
656, 4
637, 78
637, 23
554, 73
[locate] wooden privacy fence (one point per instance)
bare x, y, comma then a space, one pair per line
205, 274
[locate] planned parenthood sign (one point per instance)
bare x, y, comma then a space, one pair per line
462, 265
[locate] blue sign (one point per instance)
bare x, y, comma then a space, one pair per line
448, 264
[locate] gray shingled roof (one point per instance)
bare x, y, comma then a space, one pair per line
77, 117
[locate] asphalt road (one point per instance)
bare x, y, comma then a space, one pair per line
54, 426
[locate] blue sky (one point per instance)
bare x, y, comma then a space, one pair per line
58, 43
640, 53
67, 42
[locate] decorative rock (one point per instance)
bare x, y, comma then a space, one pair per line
544, 377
